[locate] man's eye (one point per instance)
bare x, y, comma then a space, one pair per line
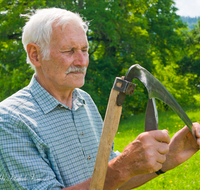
69, 51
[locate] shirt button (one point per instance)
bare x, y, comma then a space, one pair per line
81, 133
61, 106
89, 157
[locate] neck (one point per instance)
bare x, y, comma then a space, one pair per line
62, 95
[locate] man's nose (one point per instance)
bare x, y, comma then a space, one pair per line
81, 58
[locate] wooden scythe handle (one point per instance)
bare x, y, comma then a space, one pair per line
111, 122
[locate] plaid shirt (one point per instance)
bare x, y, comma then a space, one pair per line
45, 144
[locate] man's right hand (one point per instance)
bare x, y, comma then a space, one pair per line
144, 155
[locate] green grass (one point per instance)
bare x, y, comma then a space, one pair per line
185, 176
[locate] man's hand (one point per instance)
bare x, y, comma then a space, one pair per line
182, 146
144, 155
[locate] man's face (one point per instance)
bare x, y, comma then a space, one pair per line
68, 49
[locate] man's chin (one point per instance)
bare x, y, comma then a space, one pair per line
79, 85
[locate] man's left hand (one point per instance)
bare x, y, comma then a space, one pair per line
183, 145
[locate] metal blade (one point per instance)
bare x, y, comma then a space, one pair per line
157, 90
151, 118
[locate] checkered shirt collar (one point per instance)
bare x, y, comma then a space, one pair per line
47, 102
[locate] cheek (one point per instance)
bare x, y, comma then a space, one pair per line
60, 62
57, 59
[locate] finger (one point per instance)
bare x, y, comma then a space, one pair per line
198, 141
161, 135
155, 164
163, 148
158, 166
183, 132
196, 129
161, 158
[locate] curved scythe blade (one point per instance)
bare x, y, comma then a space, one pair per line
157, 90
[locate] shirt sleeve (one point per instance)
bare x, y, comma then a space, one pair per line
24, 162
113, 153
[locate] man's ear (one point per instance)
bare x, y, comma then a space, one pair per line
34, 54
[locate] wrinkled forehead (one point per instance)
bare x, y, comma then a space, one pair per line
70, 32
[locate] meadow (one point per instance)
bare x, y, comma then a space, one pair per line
185, 176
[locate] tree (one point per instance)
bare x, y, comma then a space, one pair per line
190, 63
14, 72
122, 33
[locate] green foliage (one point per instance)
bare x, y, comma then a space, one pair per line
190, 62
12, 81
164, 30
122, 33
11, 49
14, 72
137, 102
130, 38
177, 85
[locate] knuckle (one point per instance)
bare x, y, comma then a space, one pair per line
142, 136
153, 166
158, 167
151, 163
165, 148
165, 135
164, 158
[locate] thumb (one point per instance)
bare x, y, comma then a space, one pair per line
183, 133
161, 135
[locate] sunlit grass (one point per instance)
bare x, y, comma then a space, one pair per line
185, 176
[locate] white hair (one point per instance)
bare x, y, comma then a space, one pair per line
38, 29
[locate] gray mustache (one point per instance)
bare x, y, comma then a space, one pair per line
76, 69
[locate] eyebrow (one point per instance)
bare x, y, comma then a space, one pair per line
71, 47
87, 46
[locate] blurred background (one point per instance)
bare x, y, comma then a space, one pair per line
161, 35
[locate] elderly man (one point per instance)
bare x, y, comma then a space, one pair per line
50, 130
